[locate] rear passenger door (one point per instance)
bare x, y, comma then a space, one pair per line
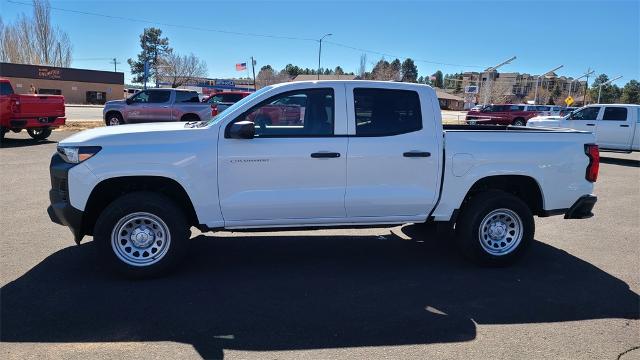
614, 130
392, 157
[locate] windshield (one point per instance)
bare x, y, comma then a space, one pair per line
231, 108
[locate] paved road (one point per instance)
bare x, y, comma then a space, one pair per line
83, 113
323, 294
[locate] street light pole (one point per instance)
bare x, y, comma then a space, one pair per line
578, 78
493, 68
535, 97
605, 83
320, 52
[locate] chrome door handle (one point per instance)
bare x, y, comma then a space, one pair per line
591, 124
624, 125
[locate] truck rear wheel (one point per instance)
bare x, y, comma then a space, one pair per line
495, 228
141, 234
519, 122
39, 133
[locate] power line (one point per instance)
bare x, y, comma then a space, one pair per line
238, 33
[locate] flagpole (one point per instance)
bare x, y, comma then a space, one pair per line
253, 69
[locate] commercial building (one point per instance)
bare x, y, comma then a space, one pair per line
78, 86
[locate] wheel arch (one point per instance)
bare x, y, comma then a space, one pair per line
526, 188
110, 189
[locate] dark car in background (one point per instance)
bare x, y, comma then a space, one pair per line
501, 114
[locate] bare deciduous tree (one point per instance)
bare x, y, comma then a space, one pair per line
181, 69
496, 92
34, 40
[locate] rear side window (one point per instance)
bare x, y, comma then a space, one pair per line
383, 112
187, 97
5, 88
615, 113
516, 108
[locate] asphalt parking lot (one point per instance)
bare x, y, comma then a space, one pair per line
331, 294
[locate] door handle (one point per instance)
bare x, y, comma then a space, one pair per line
624, 125
591, 124
417, 154
325, 155
166, 107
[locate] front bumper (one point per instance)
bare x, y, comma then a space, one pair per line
581, 209
61, 211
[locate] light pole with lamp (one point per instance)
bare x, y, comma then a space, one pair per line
320, 52
578, 78
605, 83
535, 97
493, 68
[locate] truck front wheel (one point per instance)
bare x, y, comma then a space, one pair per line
141, 234
495, 228
39, 133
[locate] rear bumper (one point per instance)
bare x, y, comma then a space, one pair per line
581, 209
36, 122
61, 211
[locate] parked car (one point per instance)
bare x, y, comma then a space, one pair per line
616, 126
367, 153
38, 114
502, 114
566, 110
220, 101
156, 105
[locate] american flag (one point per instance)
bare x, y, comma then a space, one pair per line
241, 66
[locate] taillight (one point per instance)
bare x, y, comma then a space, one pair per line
594, 162
214, 110
15, 106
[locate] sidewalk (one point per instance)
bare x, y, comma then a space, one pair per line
84, 106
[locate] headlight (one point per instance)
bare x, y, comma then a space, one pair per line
77, 154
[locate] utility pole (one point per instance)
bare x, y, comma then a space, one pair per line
535, 97
605, 83
320, 52
115, 63
489, 70
253, 69
589, 72
586, 89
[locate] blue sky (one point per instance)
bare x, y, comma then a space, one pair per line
603, 35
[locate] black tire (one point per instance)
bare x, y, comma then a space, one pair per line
190, 117
113, 118
473, 242
519, 122
2, 132
174, 223
39, 133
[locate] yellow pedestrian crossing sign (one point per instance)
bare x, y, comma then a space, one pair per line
568, 100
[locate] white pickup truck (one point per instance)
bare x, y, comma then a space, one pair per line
617, 126
357, 153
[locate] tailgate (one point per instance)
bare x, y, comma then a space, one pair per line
41, 105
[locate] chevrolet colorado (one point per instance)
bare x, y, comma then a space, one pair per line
366, 153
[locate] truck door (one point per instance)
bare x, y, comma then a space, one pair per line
289, 173
392, 162
615, 129
583, 119
135, 111
159, 106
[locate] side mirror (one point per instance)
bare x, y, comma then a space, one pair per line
241, 130
129, 101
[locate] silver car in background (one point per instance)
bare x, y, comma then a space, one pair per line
156, 105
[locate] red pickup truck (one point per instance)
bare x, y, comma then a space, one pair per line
501, 114
39, 114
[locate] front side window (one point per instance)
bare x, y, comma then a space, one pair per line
5, 88
294, 114
383, 112
588, 113
615, 113
141, 97
159, 96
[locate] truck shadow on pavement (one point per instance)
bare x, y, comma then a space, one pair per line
16, 143
306, 292
619, 161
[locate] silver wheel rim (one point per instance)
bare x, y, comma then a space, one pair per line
114, 121
37, 131
500, 232
140, 239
